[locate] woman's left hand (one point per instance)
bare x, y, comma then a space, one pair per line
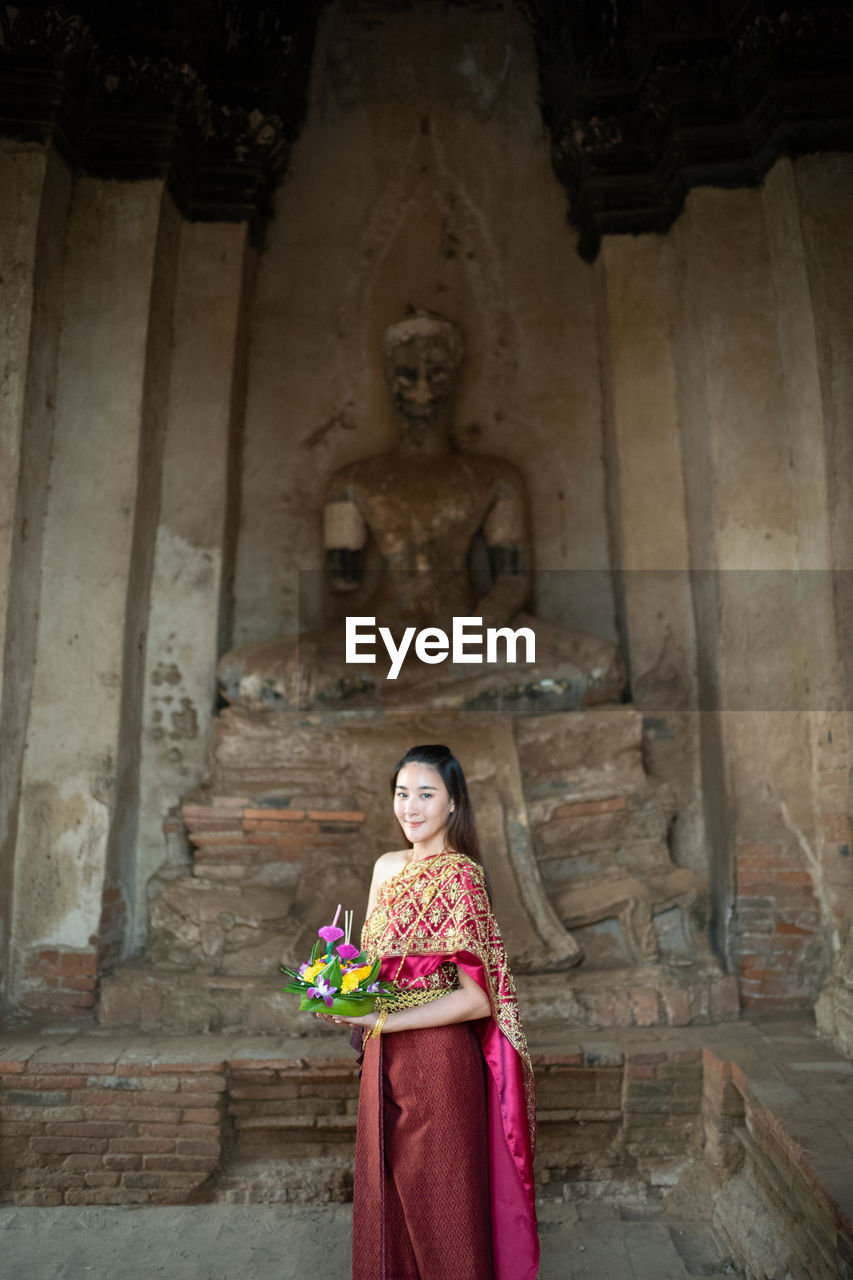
366, 1020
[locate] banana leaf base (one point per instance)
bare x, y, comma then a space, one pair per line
340, 1004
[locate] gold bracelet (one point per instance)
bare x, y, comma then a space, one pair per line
379, 1024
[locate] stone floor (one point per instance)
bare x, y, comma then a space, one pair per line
596, 1241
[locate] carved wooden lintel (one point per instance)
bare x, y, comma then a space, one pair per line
642, 100
645, 101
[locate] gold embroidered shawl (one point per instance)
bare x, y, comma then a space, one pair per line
439, 906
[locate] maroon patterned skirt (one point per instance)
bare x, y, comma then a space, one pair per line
421, 1197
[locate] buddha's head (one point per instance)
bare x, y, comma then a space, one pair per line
423, 355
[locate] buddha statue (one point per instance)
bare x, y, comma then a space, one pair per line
415, 538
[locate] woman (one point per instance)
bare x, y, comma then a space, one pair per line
446, 1113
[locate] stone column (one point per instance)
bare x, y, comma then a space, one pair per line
35, 190
649, 518
73, 858
750, 432
189, 623
824, 188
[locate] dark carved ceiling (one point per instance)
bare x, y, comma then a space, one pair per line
642, 98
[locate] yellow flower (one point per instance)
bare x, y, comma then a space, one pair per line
353, 978
311, 973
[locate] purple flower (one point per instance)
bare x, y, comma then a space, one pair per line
323, 990
305, 965
330, 932
347, 951
374, 988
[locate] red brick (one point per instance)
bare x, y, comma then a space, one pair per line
45, 1066
137, 1098
196, 1101
265, 1077
77, 982
58, 1001
166, 1195
106, 1195
101, 1178
84, 1162
77, 962
64, 1146
133, 1069
177, 1180
795, 877
148, 1129
42, 1081
87, 1129
132, 1146
283, 815
260, 1092
336, 815
122, 1163
187, 1068
159, 1115
211, 1132
38, 1198
293, 832
20, 1128
202, 1115
197, 1147
42, 1114
140, 1179
187, 1163
132, 1086
190, 1084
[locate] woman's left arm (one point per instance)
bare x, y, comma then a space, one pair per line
467, 1002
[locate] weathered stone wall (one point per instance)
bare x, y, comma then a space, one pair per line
680, 409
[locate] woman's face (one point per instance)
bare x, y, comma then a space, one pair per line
422, 804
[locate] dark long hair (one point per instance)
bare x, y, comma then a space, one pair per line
461, 834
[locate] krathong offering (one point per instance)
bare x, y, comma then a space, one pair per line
338, 978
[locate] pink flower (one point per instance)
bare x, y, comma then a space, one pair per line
323, 990
347, 951
330, 932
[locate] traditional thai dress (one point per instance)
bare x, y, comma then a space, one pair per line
446, 1115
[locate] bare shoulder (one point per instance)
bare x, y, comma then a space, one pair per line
388, 864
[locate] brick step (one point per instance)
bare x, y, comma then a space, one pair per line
155, 997
231, 835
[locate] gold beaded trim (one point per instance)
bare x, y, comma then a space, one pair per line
415, 996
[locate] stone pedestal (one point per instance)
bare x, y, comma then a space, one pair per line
601, 927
